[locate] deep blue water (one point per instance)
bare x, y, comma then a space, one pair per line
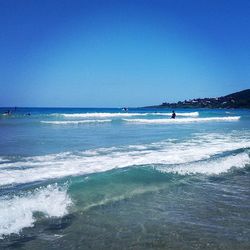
105, 178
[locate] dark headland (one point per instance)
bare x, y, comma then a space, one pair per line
235, 100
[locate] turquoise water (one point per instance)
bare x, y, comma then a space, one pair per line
108, 179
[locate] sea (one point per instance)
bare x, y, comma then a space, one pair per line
95, 178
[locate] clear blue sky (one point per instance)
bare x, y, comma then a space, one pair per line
121, 53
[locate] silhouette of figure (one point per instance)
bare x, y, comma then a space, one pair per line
173, 115
8, 112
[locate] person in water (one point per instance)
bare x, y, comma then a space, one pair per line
173, 115
8, 112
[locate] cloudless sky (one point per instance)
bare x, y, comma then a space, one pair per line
115, 53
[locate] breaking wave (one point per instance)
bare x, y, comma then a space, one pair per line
210, 167
76, 122
17, 212
201, 147
192, 114
184, 120
109, 115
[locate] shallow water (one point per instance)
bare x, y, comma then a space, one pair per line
104, 178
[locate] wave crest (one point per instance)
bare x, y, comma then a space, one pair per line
120, 115
209, 167
184, 120
17, 211
201, 147
75, 122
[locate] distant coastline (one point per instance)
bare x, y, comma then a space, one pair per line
239, 99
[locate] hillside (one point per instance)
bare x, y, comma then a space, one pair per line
239, 99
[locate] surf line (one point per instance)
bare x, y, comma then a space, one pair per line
184, 120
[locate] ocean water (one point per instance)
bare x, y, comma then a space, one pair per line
108, 179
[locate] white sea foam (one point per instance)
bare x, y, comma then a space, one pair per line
2, 159
192, 114
17, 212
109, 115
39, 168
210, 167
76, 122
184, 120
101, 115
